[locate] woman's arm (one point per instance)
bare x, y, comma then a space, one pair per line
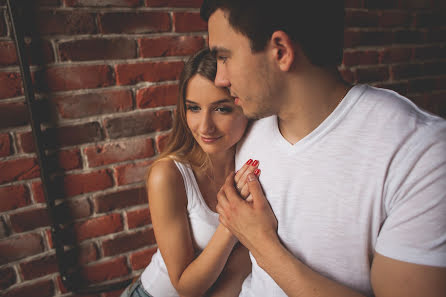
168, 208
230, 281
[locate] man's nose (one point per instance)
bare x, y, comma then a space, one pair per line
221, 79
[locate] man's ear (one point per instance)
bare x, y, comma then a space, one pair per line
283, 50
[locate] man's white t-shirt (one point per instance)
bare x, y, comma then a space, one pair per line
370, 178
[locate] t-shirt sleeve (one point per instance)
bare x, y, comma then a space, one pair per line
415, 202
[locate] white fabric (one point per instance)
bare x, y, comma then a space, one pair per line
371, 177
203, 222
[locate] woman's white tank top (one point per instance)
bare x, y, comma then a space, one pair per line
203, 223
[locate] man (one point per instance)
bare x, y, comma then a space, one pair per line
353, 177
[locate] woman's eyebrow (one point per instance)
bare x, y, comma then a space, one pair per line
224, 100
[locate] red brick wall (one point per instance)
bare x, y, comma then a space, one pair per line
106, 72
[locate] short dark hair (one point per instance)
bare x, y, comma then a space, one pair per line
316, 25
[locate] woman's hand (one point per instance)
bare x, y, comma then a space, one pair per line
241, 178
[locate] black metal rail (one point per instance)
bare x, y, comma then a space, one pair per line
16, 9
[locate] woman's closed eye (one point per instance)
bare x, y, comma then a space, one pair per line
223, 109
192, 108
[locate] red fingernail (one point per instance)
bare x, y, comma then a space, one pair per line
257, 172
249, 162
255, 163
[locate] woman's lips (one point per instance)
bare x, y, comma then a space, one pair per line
237, 101
209, 139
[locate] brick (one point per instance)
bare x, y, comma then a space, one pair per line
25, 142
39, 267
94, 227
13, 115
137, 124
39, 52
395, 55
132, 173
436, 103
430, 52
119, 200
434, 68
403, 71
138, 218
164, 46
141, 259
70, 210
116, 293
45, 288
380, 73
65, 22
394, 19
347, 75
8, 277
161, 142
101, 3
399, 87
48, 2
410, 37
189, 22
29, 220
12, 197
5, 145
421, 85
21, 246
65, 159
8, 55
37, 190
416, 4
97, 49
354, 38
353, 3
85, 105
361, 18
128, 242
75, 77
436, 35
82, 254
10, 85
381, 4
127, 74
134, 23
76, 184
157, 96
119, 151
18, 169
352, 58
104, 271
174, 3
73, 135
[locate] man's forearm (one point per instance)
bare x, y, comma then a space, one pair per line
295, 278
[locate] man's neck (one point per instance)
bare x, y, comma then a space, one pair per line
310, 100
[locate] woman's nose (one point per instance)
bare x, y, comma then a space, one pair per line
207, 124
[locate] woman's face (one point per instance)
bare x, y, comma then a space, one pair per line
214, 120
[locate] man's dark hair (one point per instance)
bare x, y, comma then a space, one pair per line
316, 25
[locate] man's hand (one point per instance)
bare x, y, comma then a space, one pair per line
252, 222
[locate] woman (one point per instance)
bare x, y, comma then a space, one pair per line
182, 185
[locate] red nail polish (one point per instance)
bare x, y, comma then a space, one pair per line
255, 163
257, 172
249, 162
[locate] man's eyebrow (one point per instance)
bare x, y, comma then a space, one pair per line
218, 49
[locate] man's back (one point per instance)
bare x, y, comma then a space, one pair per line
370, 178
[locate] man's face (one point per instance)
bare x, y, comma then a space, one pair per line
249, 76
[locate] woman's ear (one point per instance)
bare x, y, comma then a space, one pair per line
283, 50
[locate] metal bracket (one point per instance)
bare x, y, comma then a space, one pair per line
16, 10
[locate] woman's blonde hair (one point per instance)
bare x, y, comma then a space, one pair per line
181, 144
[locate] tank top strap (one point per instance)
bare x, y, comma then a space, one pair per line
190, 184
